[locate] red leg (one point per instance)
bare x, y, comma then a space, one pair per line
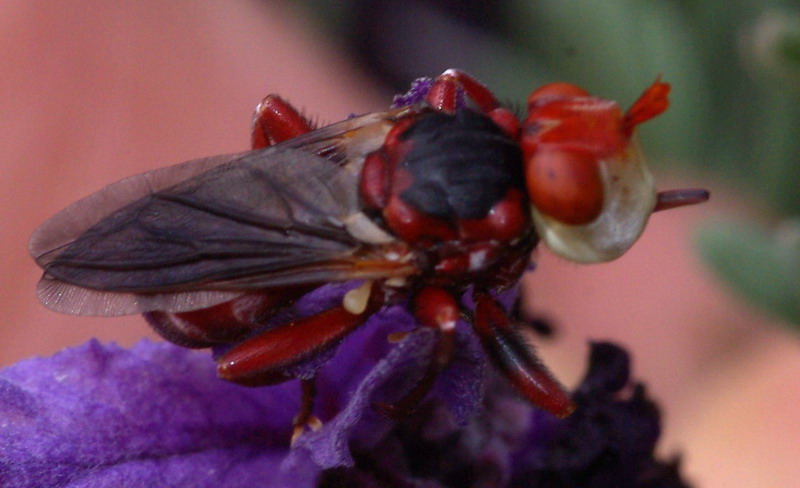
276, 121
261, 359
224, 323
446, 90
444, 94
515, 359
438, 309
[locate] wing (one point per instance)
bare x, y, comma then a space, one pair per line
202, 232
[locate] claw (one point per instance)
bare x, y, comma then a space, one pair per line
314, 423
305, 417
299, 427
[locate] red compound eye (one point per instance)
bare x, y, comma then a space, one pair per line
556, 90
565, 185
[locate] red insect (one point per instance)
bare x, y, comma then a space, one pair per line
419, 203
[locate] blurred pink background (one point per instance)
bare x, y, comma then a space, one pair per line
95, 91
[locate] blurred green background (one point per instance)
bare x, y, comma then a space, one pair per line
735, 70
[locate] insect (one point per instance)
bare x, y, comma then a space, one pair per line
418, 203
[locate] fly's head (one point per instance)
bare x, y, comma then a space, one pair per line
590, 189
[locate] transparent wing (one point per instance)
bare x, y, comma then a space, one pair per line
200, 233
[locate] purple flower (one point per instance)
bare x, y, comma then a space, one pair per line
155, 415
609, 440
415, 94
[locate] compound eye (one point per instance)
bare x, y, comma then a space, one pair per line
555, 90
623, 190
565, 185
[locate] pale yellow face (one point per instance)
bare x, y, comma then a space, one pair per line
629, 198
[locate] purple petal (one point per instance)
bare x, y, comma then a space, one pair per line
368, 370
415, 94
154, 415
609, 440
609, 370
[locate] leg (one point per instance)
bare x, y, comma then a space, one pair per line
438, 309
276, 121
225, 323
444, 92
305, 417
450, 86
263, 358
515, 359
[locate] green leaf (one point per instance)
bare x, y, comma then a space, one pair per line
761, 266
